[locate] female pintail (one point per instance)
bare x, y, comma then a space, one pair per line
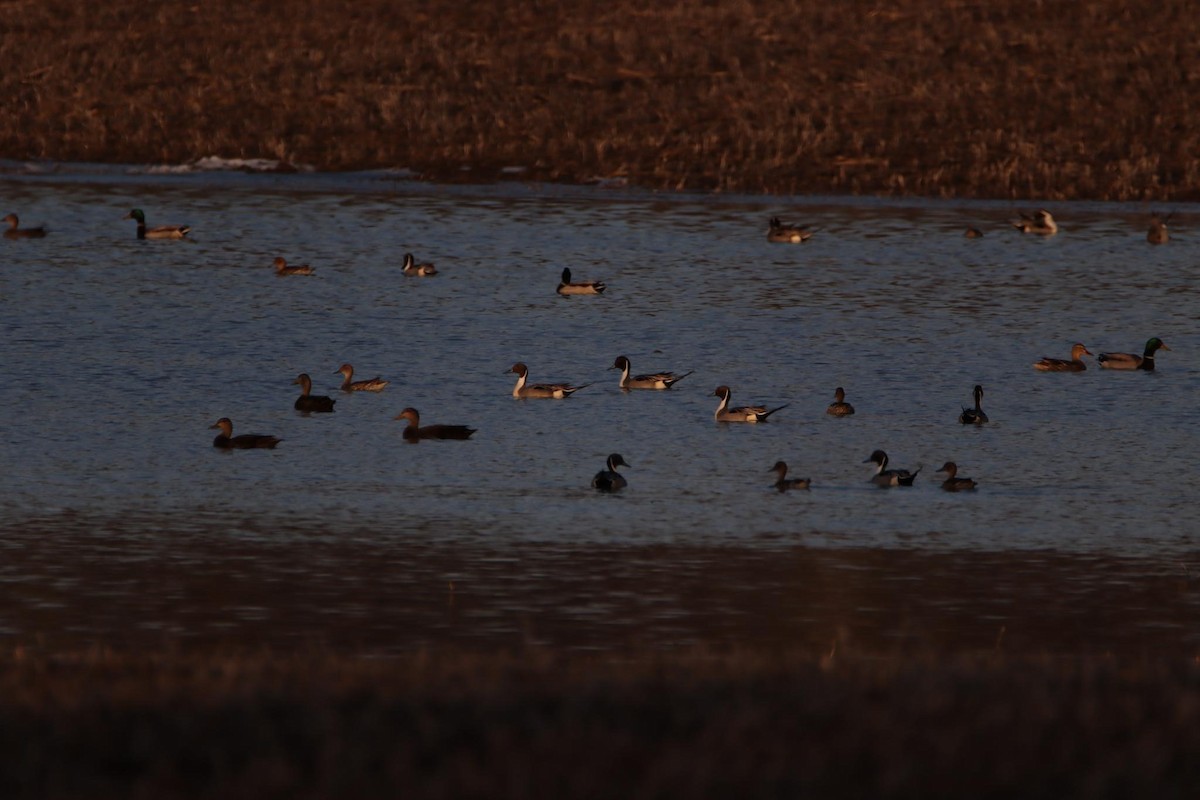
608, 479
889, 477
161, 232
974, 416
839, 407
412, 268
527, 390
1143, 362
953, 483
414, 431
566, 287
789, 234
247, 441
15, 231
308, 402
784, 483
375, 384
282, 268
1072, 364
654, 380
741, 413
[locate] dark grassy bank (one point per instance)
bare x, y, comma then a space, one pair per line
1000, 99
688, 725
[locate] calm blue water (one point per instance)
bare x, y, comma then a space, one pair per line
119, 354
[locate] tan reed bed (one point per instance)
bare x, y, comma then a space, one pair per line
999, 99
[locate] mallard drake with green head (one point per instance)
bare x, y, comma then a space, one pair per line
653, 380
741, 413
15, 231
524, 390
608, 479
889, 477
953, 483
1143, 362
414, 431
783, 483
161, 232
1072, 364
974, 416
247, 441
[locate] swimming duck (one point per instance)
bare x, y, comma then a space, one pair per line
608, 479
783, 483
15, 231
161, 232
565, 287
974, 416
247, 441
1157, 234
654, 380
790, 234
413, 432
375, 384
973, 233
1072, 364
742, 413
554, 390
889, 477
411, 267
1131, 361
282, 268
1039, 222
310, 402
952, 483
839, 407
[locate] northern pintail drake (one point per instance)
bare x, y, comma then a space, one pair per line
1072, 364
1131, 361
247, 441
889, 477
783, 482
1157, 234
1039, 222
161, 232
414, 432
974, 416
15, 231
282, 268
565, 286
653, 380
375, 384
839, 407
553, 390
307, 402
742, 413
789, 234
608, 479
412, 268
973, 233
952, 482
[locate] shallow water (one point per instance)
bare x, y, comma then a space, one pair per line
120, 354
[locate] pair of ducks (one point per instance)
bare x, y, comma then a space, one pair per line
1122, 361
410, 267
413, 432
655, 380
15, 231
885, 477
838, 408
309, 402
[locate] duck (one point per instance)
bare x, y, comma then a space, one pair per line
247, 441
654, 380
783, 483
310, 402
742, 413
15, 231
282, 268
161, 232
1143, 362
1072, 364
790, 234
839, 407
565, 287
554, 390
1039, 222
375, 384
953, 483
608, 479
974, 416
1157, 234
414, 432
973, 233
411, 267
889, 477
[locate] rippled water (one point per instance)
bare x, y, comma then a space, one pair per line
120, 354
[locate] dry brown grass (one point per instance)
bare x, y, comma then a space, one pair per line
1006, 99
696, 725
